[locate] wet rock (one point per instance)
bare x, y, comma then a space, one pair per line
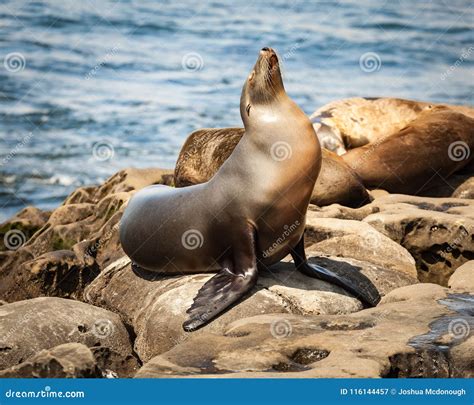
70, 360
71, 246
463, 278
375, 342
26, 327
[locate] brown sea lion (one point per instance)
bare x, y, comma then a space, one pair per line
436, 144
205, 150
231, 224
353, 122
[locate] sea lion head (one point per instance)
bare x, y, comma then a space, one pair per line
264, 84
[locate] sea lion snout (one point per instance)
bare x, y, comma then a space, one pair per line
270, 55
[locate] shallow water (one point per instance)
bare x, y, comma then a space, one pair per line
103, 85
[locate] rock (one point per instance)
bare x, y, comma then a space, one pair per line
70, 360
156, 307
29, 326
113, 364
71, 246
465, 189
463, 278
15, 232
357, 240
437, 232
462, 361
398, 338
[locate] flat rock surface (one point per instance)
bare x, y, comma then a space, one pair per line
70, 360
401, 337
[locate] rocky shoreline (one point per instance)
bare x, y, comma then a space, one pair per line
73, 307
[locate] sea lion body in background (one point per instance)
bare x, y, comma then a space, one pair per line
205, 150
436, 144
231, 223
350, 123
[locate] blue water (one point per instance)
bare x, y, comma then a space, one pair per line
102, 86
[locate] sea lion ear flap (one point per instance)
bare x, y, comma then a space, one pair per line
248, 109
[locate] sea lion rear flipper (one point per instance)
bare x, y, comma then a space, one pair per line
226, 287
358, 285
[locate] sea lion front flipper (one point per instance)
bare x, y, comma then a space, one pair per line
226, 287
358, 285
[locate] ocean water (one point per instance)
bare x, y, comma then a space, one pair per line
91, 87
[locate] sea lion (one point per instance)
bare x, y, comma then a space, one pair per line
231, 223
205, 150
353, 122
433, 146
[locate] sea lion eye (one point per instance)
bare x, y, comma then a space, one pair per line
248, 109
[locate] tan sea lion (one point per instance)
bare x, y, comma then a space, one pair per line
205, 150
436, 144
353, 122
231, 224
